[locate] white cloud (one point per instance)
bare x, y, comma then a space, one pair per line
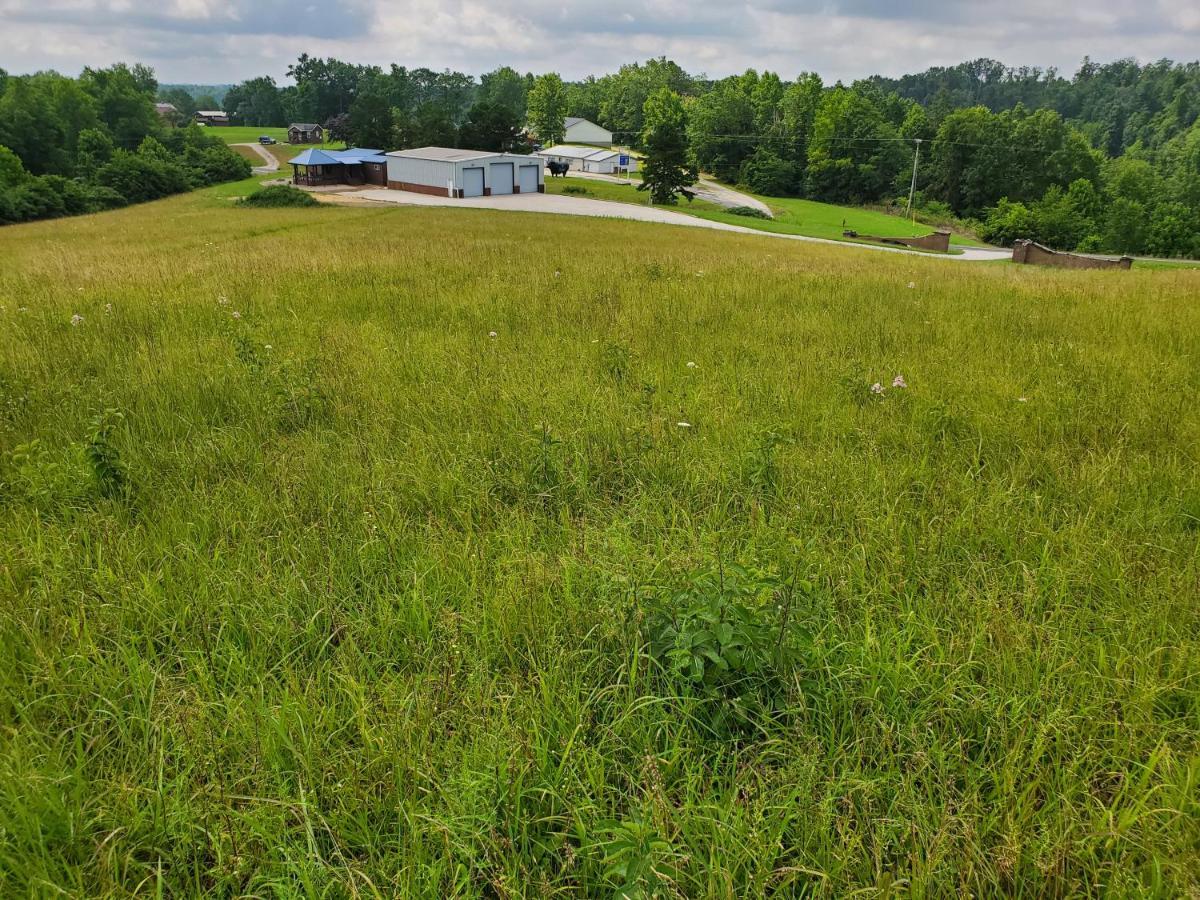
228, 40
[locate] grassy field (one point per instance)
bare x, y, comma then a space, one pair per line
792, 216
245, 134
411, 552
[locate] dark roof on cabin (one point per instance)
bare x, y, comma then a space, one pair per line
304, 126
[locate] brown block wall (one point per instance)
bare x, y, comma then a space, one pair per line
939, 240
419, 188
1029, 253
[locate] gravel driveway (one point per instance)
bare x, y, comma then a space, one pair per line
559, 204
272, 164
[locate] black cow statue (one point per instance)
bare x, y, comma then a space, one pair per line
558, 168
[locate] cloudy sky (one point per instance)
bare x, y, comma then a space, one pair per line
213, 41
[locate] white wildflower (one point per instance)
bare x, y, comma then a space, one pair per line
491, 334
912, 284
236, 314
899, 382
108, 308
1022, 399
877, 388
691, 365
76, 319
684, 424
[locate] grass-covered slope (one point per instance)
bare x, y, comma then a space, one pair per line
791, 215
313, 586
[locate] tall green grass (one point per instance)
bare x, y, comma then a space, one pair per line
310, 585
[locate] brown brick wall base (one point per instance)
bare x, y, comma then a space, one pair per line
939, 240
1033, 254
419, 188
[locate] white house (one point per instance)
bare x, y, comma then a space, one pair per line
448, 172
581, 131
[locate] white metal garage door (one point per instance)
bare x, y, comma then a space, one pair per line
529, 179
472, 182
502, 178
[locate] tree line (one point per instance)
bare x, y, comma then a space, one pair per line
1107, 160
80, 145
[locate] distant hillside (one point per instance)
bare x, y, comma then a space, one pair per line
216, 91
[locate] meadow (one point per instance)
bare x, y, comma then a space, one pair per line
248, 134
412, 552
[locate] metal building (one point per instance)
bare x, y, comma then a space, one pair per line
447, 172
588, 159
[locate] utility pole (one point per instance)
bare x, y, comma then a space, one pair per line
913, 187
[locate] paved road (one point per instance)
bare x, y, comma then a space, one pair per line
559, 204
272, 164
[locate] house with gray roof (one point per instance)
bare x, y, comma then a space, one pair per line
306, 133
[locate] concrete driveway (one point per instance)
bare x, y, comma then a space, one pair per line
558, 204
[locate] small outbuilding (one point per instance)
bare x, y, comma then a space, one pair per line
305, 133
587, 159
581, 131
211, 117
450, 172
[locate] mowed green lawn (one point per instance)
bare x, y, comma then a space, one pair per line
409, 552
792, 216
243, 134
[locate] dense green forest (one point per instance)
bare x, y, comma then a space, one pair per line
78, 145
1105, 160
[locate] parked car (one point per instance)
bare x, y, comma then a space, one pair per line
267, 139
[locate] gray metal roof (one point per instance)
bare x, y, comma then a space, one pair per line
208, 113
303, 126
570, 151
443, 154
568, 121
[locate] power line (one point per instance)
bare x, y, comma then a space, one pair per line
867, 140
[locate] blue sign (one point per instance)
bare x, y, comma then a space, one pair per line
624, 160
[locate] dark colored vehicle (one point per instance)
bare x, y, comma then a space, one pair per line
267, 139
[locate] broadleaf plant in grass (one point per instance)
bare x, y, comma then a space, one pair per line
727, 639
